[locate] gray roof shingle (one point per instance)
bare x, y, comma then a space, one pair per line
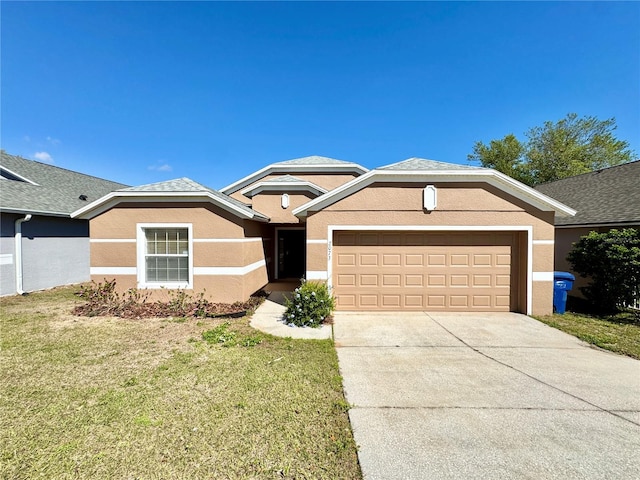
424, 164
56, 191
313, 160
185, 184
284, 179
607, 196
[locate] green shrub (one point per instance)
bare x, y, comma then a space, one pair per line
310, 305
611, 261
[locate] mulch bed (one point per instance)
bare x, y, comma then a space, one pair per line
187, 308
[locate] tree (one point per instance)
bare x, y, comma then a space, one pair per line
568, 147
611, 261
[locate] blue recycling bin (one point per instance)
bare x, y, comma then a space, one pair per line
562, 283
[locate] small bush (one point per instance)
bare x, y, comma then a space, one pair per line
310, 305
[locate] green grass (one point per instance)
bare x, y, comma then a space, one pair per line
114, 398
618, 333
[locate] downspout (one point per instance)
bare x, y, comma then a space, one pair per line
18, 250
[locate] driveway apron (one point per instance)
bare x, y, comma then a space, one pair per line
491, 396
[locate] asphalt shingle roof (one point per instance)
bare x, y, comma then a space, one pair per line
56, 192
424, 164
185, 184
610, 195
284, 179
313, 160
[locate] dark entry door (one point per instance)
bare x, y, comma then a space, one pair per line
291, 253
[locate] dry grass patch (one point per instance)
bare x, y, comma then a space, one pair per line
107, 397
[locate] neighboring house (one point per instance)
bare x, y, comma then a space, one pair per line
604, 199
41, 246
414, 235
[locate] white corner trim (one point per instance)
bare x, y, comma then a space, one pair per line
322, 241
542, 276
112, 240
113, 270
317, 275
229, 270
544, 242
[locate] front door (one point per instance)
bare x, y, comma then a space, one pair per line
291, 253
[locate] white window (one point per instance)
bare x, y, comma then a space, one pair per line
165, 256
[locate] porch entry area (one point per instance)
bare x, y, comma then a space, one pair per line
290, 253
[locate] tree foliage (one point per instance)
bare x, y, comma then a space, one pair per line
612, 262
568, 147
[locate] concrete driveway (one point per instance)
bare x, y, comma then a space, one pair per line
493, 396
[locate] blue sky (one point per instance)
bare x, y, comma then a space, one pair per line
140, 92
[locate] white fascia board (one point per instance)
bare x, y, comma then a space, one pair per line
283, 187
629, 224
274, 168
44, 213
336, 194
110, 200
526, 193
492, 177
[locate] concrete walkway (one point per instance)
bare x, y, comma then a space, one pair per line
268, 318
496, 396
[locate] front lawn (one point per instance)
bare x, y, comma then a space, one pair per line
106, 397
619, 333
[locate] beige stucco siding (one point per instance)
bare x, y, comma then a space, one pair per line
208, 221
317, 222
221, 243
542, 257
113, 254
408, 197
317, 256
270, 204
459, 205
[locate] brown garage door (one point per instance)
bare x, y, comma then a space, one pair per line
424, 271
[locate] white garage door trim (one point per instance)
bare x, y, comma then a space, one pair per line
440, 228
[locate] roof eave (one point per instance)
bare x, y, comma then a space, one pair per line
112, 199
493, 177
283, 186
44, 213
276, 168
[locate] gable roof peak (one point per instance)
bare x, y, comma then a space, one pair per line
313, 160
183, 184
416, 164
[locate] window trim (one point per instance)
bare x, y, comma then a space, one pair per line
141, 245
